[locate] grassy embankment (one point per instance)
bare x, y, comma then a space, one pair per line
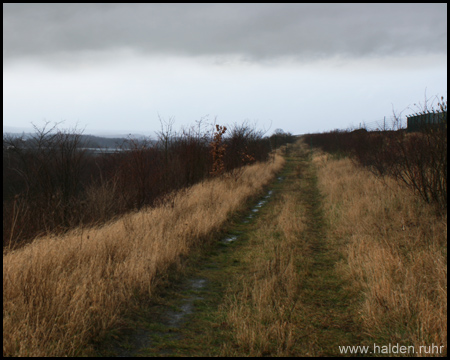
62, 292
337, 258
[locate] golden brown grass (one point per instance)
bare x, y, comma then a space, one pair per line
396, 250
60, 293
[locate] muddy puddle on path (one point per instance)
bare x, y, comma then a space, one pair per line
177, 318
173, 319
170, 321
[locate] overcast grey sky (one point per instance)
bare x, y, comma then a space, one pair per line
300, 67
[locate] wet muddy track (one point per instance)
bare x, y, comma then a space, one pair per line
140, 339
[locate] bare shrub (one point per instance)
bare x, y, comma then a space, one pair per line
48, 168
61, 186
417, 160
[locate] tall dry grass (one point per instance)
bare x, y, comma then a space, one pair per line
60, 293
396, 249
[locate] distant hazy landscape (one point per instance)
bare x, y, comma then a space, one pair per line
99, 138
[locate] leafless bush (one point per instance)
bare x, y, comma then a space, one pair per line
419, 160
416, 159
47, 172
51, 184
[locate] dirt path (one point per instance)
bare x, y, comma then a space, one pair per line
191, 316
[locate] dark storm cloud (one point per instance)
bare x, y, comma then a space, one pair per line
255, 31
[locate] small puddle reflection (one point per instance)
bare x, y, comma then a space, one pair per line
248, 218
198, 283
229, 239
259, 205
175, 318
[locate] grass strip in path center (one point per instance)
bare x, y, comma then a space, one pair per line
330, 317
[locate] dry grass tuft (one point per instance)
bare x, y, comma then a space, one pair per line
396, 252
60, 293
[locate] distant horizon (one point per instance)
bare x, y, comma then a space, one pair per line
94, 132
104, 133
154, 134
